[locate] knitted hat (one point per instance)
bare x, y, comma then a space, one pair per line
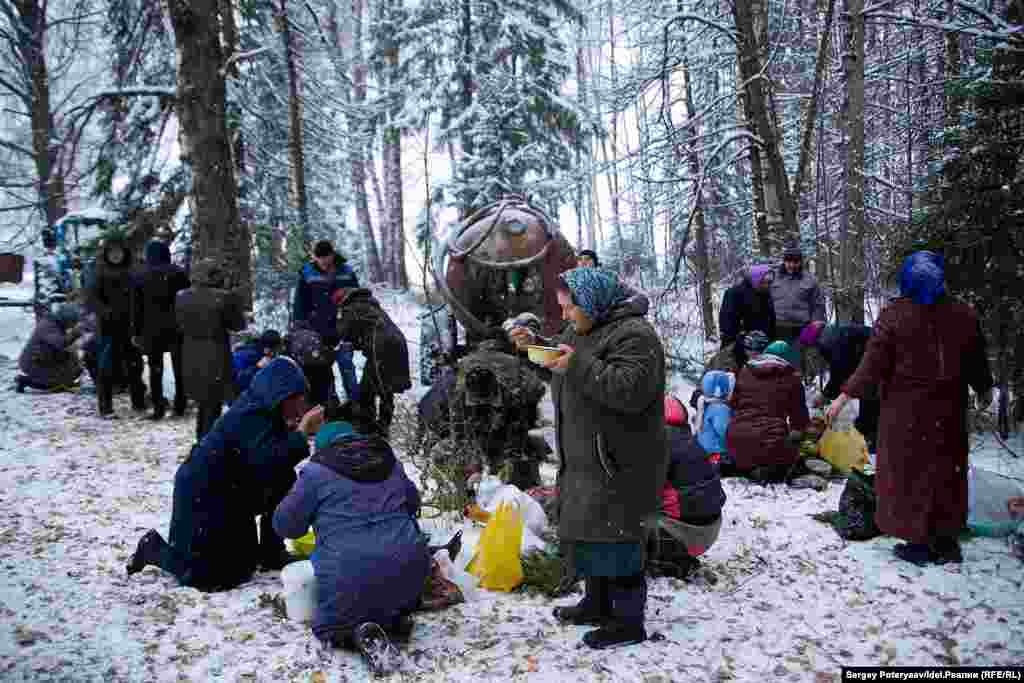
755, 342
810, 334
758, 273
331, 432
675, 413
785, 352
271, 339
323, 248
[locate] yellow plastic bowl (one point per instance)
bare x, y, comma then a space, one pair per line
304, 545
542, 354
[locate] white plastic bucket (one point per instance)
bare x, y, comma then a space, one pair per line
300, 592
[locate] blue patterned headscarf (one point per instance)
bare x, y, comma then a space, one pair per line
595, 290
923, 277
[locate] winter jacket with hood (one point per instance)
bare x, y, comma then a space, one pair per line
312, 302
767, 403
696, 477
925, 351
242, 467
370, 560
610, 425
362, 321
48, 358
110, 296
157, 285
713, 418
205, 315
797, 298
745, 308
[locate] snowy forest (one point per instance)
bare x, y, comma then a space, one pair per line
680, 139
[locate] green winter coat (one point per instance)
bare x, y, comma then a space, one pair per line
610, 429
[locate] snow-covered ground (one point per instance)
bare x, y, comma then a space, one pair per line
793, 602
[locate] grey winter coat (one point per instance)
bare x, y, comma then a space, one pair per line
610, 429
797, 298
48, 358
205, 315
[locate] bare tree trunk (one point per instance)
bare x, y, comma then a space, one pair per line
205, 145
350, 43
398, 277
821, 67
613, 176
296, 151
699, 228
850, 293
778, 202
45, 152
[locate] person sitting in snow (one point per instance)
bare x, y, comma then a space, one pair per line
248, 359
243, 467
692, 499
48, 362
769, 412
370, 560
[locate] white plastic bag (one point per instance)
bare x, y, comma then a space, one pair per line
491, 493
300, 590
466, 582
844, 420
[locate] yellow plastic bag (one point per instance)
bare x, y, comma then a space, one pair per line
497, 562
846, 449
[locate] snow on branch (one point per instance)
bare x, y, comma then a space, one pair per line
683, 17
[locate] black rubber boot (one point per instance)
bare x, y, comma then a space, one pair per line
147, 552
915, 553
179, 405
626, 627
159, 409
595, 608
376, 647
945, 549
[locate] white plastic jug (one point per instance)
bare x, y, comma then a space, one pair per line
300, 592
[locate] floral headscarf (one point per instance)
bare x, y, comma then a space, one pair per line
923, 277
595, 290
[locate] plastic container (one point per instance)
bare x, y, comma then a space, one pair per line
300, 591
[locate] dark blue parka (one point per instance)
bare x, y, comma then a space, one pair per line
242, 468
370, 560
156, 286
312, 301
843, 347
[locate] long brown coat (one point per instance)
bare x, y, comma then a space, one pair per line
205, 315
923, 357
767, 403
610, 429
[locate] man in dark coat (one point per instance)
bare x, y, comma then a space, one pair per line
206, 314
608, 389
747, 306
363, 323
925, 351
768, 405
111, 299
154, 325
243, 468
248, 359
48, 361
842, 346
313, 305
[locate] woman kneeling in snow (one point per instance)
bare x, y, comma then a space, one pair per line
370, 559
243, 467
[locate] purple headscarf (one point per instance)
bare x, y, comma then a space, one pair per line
758, 272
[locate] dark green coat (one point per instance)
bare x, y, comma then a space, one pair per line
205, 315
610, 428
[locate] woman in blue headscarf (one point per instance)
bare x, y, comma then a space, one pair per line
925, 351
608, 388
